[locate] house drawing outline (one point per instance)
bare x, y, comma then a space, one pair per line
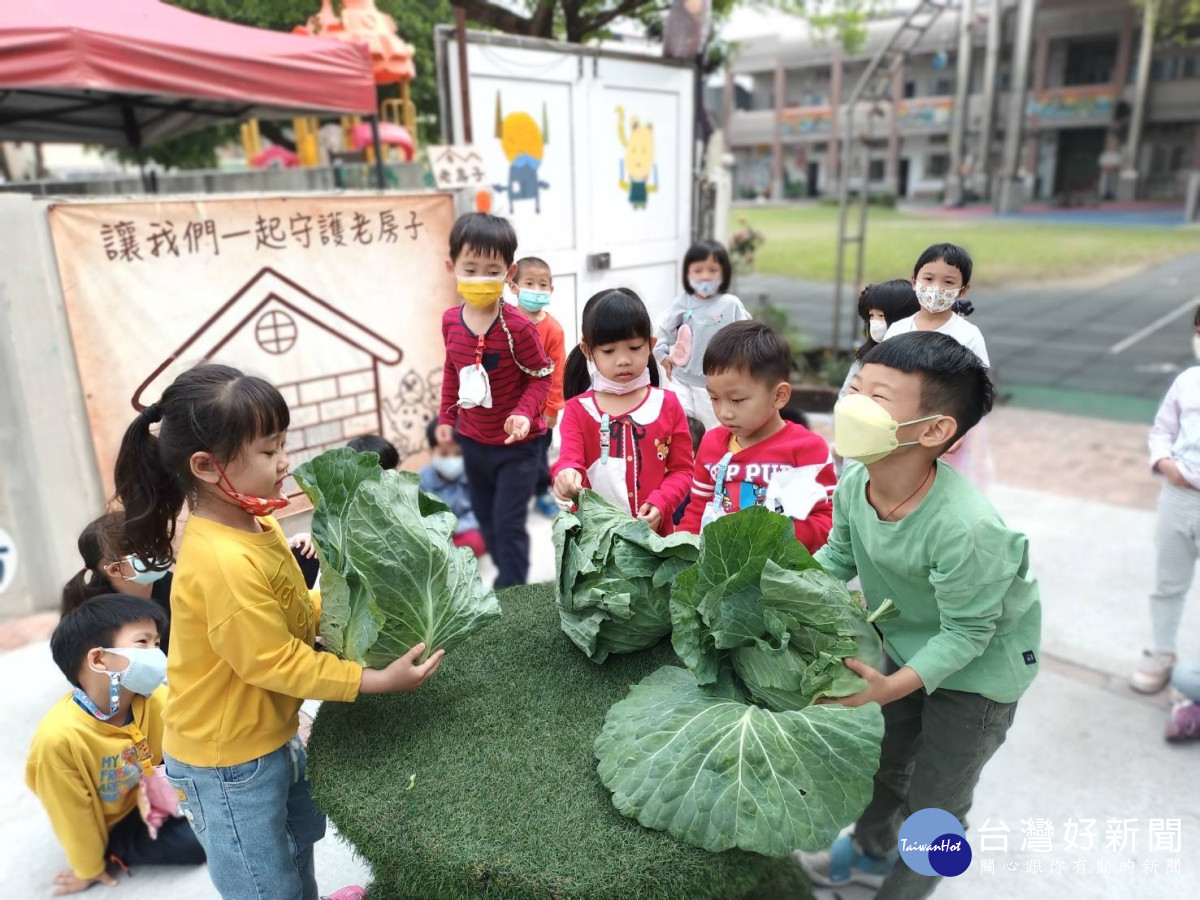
332, 396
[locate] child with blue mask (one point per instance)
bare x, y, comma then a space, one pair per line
109, 567
94, 759
533, 286
445, 477
691, 321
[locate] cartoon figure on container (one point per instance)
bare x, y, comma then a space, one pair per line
523, 143
639, 171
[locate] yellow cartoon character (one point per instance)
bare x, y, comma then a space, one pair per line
639, 171
662, 448
523, 143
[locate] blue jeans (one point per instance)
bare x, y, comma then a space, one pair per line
256, 822
1186, 678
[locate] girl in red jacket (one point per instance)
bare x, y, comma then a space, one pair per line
622, 435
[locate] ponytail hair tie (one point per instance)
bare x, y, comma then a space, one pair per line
152, 413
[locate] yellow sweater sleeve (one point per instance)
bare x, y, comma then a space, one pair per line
249, 632
75, 813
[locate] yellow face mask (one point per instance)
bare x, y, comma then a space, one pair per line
482, 291
865, 431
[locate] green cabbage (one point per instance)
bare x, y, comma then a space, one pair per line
614, 578
391, 576
735, 752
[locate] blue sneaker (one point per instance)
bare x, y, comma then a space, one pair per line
546, 505
846, 863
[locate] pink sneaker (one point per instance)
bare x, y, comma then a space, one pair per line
1184, 724
353, 892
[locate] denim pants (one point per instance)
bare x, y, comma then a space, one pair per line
934, 748
256, 822
500, 479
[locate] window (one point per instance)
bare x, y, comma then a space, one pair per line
937, 166
942, 87
910, 90
875, 172
822, 147
939, 139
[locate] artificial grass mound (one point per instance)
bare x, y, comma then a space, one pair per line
483, 782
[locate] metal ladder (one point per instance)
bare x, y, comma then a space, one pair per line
873, 86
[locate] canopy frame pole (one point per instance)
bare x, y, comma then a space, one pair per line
133, 134
375, 144
460, 38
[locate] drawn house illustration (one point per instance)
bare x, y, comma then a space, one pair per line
324, 363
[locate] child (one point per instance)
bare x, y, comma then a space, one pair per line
754, 457
494, 385
110, 568
242, 659
533, 285
941, 279
880, 306
389, 456
1174, 454
622, 435
692, 319
445, 478
91, 751
964, 647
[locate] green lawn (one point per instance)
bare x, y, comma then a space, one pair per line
801, 243
483, 784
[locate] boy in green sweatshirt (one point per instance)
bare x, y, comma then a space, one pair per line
964, 647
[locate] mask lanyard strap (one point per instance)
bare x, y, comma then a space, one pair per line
719, 481
605, 436
114, 698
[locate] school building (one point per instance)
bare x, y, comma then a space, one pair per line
1094, 124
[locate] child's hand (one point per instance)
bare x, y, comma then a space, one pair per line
651, 515
667, 366
445, 434
517, 429
402, 675
66, 882
303, 543
551, 421
568, 484
1172, 473
881, 689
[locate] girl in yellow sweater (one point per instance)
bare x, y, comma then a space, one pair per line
243, 624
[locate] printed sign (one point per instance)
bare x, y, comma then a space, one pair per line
335, 300
457, 166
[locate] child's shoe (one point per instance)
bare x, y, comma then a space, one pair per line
354, 892
1184, 724
1153, 672
846, 863
546, 505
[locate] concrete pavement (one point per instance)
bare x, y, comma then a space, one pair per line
1059, 336
1083, 745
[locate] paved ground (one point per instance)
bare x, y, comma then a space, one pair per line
1125, 340
1083, 746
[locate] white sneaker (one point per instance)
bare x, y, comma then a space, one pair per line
1153, 672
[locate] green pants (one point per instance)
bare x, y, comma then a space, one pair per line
934, 748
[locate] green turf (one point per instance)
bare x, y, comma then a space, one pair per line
504, 799
1120, 407
801, 243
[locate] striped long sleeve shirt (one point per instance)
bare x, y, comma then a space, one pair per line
514, 393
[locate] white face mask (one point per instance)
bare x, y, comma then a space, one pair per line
449, 467
934, 299
474, 387
878, 329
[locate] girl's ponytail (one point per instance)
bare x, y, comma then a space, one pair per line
151, 495
97, 543
576, 377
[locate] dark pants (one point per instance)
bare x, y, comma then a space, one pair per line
500, 479
176, 844
543, 475
934, 748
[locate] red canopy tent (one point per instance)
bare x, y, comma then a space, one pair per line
127, 73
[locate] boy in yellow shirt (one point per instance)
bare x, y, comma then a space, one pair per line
91, 750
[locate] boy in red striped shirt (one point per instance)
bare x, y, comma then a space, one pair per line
494, 385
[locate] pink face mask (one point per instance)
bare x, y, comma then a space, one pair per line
607, 386
256, 506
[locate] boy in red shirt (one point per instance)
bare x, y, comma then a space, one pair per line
494, 385
754, 457
532, 285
